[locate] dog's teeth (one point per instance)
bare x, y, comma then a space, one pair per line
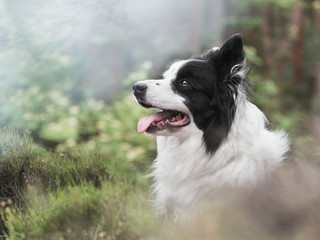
153, 123
167, 121
178, 117
173, 119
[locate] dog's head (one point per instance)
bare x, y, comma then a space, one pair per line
197, 93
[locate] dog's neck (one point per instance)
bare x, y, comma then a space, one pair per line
184, 172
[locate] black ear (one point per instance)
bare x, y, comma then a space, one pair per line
230, 66
230, 59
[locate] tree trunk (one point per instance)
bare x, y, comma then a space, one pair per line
297, 28
316, 116
315, 128
266, 40
316, 15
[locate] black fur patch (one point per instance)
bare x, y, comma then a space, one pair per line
212, 88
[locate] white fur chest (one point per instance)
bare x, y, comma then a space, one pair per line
176, 176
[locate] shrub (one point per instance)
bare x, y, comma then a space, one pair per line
58, 123
66, 196
23, 163
82, 212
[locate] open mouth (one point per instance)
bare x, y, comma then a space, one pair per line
167, 119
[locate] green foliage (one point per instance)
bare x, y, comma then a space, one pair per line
67, 196
118, 139
90, 124
23, 163
14, 151
82, 212
267, 96
281, 4
246, 21
252, 56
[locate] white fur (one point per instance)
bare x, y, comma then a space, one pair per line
184, 173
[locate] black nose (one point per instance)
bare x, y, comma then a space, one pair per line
139, 89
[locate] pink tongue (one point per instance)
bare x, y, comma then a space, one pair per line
145, 122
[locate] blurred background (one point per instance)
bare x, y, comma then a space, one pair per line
66, 69
64, 62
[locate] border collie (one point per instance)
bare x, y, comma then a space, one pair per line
209, 136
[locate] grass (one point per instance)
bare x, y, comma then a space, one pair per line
50, 195
81, 212
23, 163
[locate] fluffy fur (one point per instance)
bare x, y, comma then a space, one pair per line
225, 143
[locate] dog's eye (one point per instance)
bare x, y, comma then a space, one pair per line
184, 83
